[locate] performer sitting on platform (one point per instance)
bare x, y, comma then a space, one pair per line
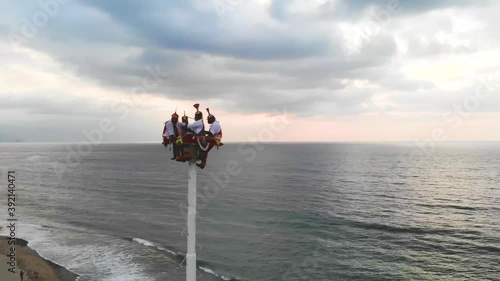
214, 137
170, 133
198, 129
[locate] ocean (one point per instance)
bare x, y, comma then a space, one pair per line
342, 211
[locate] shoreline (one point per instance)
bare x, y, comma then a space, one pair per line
30, 261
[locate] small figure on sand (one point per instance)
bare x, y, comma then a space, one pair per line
22, 275
36, 274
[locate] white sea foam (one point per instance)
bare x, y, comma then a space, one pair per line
209, 271
144, 242
151, 244
102, 260
154, 245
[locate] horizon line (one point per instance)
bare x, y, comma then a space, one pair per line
238, 142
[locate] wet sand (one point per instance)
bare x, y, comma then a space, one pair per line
31, 261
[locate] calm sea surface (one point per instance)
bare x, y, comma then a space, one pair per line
271, 212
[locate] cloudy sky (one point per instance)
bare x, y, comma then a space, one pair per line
273, 70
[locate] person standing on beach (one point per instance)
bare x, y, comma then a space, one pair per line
22, 275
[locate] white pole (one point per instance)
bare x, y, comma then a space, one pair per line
191, 224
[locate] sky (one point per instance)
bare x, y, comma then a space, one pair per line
269, 70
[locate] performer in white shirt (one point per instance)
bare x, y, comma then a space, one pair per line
215, 130
214, 138
198, 129
197, 126
171, 132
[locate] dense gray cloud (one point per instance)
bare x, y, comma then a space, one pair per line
256, 60
355, 8
180, 25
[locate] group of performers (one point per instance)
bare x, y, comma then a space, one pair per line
191, 138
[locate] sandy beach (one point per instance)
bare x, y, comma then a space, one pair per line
30, 261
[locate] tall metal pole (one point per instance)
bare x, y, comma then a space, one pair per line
191, 224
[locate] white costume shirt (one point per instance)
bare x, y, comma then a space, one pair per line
215, 128
170, 128
196, 126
